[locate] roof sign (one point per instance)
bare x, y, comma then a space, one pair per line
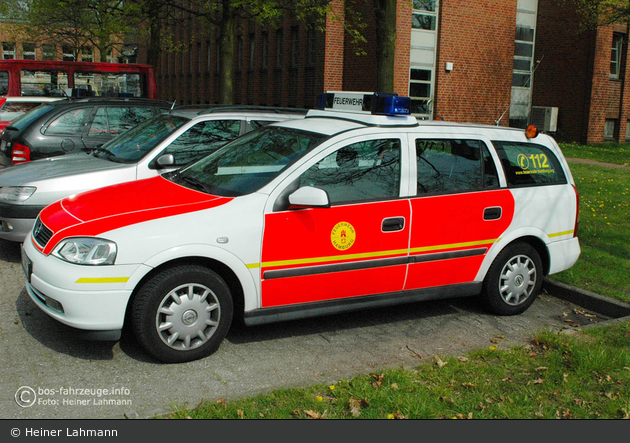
374, 103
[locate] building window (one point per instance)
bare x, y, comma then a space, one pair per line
424, 15
294, 47
310, 51
279, 49
523, 55
87, 54
28, 51
252, 50
239, 54
67, 54
265, 50
420, 90
49, 52
615, 55
609, 129
8, 50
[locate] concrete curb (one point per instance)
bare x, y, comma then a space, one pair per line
615, 309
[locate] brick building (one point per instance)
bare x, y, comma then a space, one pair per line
582, 72
455, 59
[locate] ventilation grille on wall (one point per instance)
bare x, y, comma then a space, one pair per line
545, 118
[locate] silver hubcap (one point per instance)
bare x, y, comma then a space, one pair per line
518, 279
188, 316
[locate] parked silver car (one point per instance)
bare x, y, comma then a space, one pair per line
160, 144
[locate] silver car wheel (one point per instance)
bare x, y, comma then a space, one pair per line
518, 280
188, 316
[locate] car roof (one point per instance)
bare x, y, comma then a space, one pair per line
29, 99
68, 102
219, 111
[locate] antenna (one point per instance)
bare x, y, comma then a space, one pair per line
496, 122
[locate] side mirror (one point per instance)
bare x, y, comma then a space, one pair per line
309, 197
166, 160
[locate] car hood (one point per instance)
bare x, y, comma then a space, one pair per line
95, 212
67, 165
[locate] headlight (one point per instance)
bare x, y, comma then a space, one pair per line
86, 251
16, 193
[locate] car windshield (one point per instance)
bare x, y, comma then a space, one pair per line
249, 162
24, 120
131, 146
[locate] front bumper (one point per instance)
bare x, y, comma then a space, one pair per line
16, 221
55, 287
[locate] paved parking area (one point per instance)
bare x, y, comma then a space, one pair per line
64, 377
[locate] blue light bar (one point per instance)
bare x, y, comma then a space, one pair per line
375, 103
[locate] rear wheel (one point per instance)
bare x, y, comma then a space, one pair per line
182, 313
514, 280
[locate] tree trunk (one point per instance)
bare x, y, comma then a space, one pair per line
385, 15
226, 55
153, 52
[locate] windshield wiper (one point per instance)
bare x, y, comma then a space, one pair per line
196, 184
98, 149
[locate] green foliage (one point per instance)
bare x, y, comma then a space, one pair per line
602, 12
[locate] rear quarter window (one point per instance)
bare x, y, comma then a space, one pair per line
529, 164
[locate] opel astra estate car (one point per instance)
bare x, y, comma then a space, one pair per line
72, 125
158, 145
341, 210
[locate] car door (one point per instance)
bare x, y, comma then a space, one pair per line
355, 247
459, 211
63, 134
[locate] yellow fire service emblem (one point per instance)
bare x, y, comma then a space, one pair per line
343, 236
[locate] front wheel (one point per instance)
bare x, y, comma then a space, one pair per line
182, 313
514, 280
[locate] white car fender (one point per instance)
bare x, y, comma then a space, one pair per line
245, 276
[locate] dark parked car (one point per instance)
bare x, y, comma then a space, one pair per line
73, 125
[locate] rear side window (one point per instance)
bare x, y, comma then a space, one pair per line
529, 164
113, 120
69, 123
451, 165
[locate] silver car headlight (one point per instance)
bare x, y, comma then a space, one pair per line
86, 251
16, 194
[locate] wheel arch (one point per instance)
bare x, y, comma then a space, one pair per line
230, 277
536, 240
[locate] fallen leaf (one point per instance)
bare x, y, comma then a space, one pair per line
378, 380
315, 414
394, 386
463, 359
542, 368
240, 413
221, 401
439, 362
469, 385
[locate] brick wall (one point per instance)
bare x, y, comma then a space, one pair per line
478, 38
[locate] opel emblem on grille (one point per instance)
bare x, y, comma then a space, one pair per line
38, 228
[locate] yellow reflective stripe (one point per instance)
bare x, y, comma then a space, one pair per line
103, 280
332, 258
451, 246
558, 234
253, 265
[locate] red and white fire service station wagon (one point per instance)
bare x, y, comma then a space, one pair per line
345, 209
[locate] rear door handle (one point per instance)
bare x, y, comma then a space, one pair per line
393, 224
493, 213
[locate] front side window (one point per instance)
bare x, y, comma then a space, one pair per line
202, 139
69, 123
133, 145
448, 166
529, 164
368, 170
249, 162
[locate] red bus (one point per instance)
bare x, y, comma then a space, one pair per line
60, 79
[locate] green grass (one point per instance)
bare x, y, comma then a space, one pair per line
603, 152
581, 376
584, 375
604, 231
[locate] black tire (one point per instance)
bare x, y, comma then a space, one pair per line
514, 280
182, 313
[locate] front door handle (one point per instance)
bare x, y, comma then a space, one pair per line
393, 224
493, 213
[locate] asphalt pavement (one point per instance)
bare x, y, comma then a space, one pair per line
48, 373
